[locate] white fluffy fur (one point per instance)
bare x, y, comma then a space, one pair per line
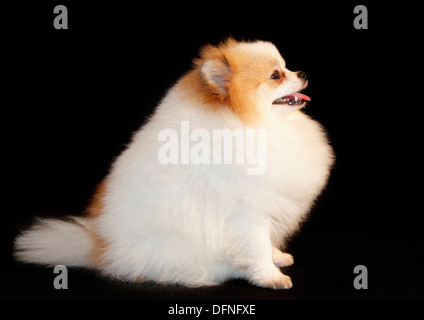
197, 224
54, 242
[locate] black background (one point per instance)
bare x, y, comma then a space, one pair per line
71, 100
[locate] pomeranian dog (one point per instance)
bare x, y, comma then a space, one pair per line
210, 188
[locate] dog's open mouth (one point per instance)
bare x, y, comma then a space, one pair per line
293, 99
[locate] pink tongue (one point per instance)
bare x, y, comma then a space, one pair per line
301, 96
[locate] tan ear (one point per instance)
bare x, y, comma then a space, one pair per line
216, 73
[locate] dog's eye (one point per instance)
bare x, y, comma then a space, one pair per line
275, 75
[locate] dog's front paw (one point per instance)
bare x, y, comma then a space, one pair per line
276, 283
273, 278
282, 259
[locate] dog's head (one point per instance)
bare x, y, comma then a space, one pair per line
249, 77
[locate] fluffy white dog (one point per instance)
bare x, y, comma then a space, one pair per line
188, 210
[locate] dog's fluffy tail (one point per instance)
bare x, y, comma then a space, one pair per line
53, 242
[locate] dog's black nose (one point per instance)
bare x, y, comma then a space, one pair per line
301, 75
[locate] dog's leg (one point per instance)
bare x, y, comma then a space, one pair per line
252, 251
262, 271
281, 259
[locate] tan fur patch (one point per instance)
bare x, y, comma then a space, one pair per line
99, 247
247, 74
95, 208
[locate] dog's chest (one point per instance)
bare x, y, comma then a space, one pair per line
299, 158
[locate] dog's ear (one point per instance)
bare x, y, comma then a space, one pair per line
217, 75
215, 71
